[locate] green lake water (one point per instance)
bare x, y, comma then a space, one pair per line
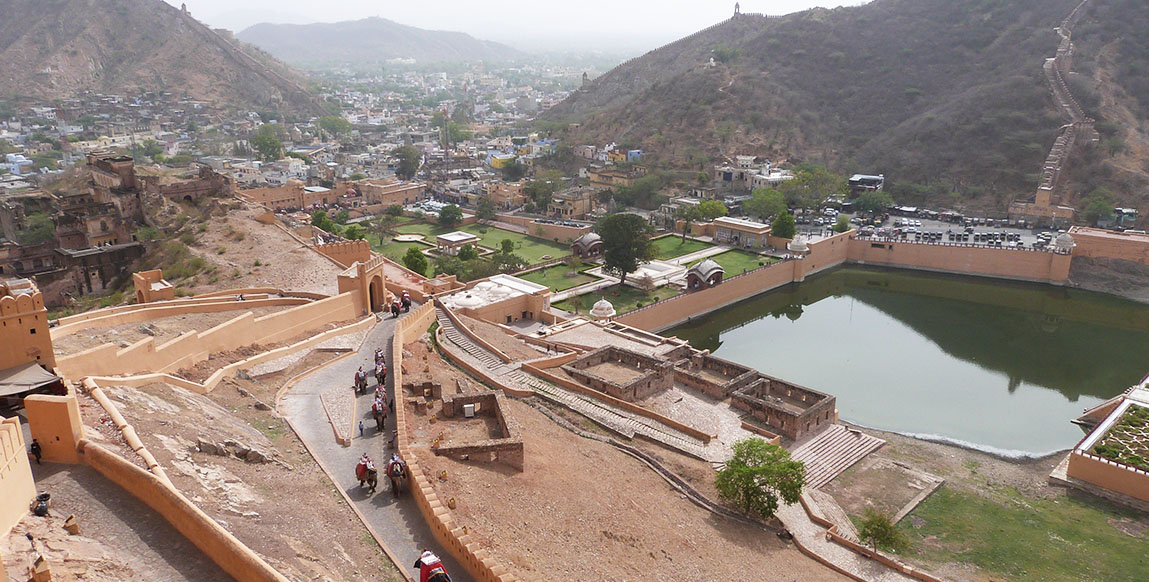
995, 365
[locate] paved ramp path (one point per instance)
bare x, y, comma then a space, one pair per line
398, 522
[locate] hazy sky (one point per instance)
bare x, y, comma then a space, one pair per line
529, 25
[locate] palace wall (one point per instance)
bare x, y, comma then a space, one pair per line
1106, 244
191, 348
15, 475
1018, 264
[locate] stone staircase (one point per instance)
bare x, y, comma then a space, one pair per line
830, 510
832, 452
616, 420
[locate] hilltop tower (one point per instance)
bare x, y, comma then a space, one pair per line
737, 9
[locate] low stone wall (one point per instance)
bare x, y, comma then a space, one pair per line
549, 231
200, 529
479, 565
231, 369
766, 399
507, 449
689, 374
151, 311
833, 535
1109, 475
628, 406
191, 348
656, 374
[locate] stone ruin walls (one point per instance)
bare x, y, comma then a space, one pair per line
621, 373
797, 412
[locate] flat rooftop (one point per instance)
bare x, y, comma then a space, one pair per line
457, 237
494, 290
741, 223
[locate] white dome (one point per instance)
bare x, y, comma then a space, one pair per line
468, 300
602, 309
798, 245
1064, 242
484, 285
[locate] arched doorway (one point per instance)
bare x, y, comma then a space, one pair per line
139, 296
376, 293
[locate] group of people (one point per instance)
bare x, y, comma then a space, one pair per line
401, 304
396, 469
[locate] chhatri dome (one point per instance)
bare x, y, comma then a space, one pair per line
798, 245
1064, 242
602, 309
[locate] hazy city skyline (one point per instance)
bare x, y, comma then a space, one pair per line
589, 25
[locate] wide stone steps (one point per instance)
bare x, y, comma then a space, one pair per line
834, 512
832, 452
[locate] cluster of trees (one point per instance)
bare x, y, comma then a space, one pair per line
469, 264
268, 141
337, 224
39, 229
540, 190
706, 210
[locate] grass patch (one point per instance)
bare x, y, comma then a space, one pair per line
625, 299
395, 250
558, 277
671, 246
531, 248
736, 262
1028, 539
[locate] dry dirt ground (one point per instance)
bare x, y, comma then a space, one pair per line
284, 262
583, 510
163, 329
512, 347
321, 539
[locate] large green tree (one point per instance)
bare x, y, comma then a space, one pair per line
334, 125
267, 141
450, 215
415, 260
687, 213
811, 185
784, 226
757, 475
874, 201
764, 203
409, 161
711, 209
485, 210
625, 242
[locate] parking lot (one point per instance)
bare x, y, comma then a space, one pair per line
981, 232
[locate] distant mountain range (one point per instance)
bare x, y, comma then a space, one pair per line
369, 42
51, 49
947, 98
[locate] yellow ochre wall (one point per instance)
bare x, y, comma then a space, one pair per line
24, 335
15, 475
55, 422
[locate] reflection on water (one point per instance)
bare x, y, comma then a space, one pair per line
999, 365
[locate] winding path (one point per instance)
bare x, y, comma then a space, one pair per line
397, 522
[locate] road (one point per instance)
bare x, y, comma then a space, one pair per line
398, 522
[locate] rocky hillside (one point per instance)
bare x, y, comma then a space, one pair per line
946, 97
53, 49
369, 42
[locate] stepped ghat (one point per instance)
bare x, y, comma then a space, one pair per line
1078, 130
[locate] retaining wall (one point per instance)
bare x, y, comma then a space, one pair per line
1106, 244
191, 348
210, 537
1026, 265
479, 565
1109, 475
152, 311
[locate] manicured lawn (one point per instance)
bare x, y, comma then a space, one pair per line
736, 262
1023, 538
395, 250
558, 277
627, 298
671, 246
528, 247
